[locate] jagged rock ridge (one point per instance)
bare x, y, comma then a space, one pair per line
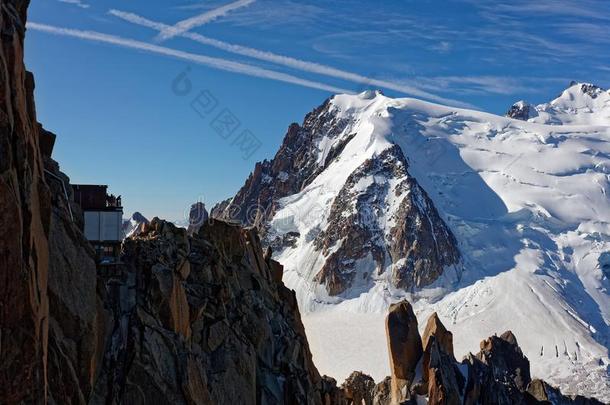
203, 319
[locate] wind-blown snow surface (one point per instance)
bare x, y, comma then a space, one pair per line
529, 206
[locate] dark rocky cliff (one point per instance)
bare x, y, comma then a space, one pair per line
203, 319
25, 211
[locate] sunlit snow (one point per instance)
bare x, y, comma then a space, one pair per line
529, 205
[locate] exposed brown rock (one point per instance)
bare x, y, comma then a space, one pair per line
25, 211
404, 347
382, 395
435, 328
499, 373
76, 322
230, 332
418, 247
444, 380
331, 394
358, 389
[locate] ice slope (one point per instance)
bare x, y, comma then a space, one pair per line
529, 206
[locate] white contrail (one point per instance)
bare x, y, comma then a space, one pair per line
201, 19
298, 64
77, 3
217, 63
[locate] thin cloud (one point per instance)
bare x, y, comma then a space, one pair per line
216, 63
490, 84
77, 3
201, 19
298, 64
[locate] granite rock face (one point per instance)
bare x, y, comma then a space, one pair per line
499, 373
76, 319
202, 319
359, 389
49, 309
418, 245
404, 347
25, 216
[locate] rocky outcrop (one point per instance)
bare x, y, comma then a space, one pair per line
442, 380
435, 333
50, 331
359, 388
25, 216
198, 215
204, 319
404, 347
418, 246
578, 104
521, 110
76, 320
590, 89
498, 374
435, 328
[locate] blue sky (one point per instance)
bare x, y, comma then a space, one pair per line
138, 91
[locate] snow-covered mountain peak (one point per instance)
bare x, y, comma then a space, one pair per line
576, 89
370, 94
492, 222
134, 224
579, 104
